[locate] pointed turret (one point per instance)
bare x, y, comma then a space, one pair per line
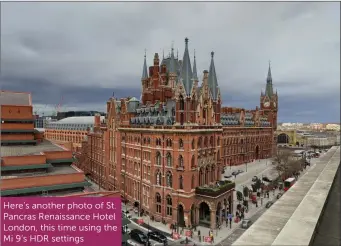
172, 65
212, 79
144, 71
186, 70
269, 90
195, 74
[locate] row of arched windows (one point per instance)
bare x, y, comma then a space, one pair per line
158, 160
169, 180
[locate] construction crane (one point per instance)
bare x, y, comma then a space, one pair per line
58, 106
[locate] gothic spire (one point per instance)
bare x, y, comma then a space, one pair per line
186, 70
172, 66
269, 88
212, 79
144, 71
195, 74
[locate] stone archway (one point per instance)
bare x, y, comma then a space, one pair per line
283, 138
257, 152
181, 216
204, 214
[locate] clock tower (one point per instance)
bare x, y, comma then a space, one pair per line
269, 100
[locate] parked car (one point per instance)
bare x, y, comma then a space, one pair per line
240, 171
138, 236
246, 223
266, 179
234, 173
228, 176
269, 204
254, 179
157, 236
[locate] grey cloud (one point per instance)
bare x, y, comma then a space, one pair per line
55, 49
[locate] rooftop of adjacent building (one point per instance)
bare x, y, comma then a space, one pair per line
293, 219
52, 170
78, 123
15, 98
22, 150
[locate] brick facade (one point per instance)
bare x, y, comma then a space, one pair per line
159, 150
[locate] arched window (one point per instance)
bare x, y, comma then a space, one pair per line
218, 141
169, 178
193, 162
181, 144
169, 205
182, 103
144, 140
169, 142
158, 202
218, 155
211, 141
181, 161
200, 142
158, 178
193, 182
169, 159
181, 183
205, 142
148, 140
193, 144
158, 158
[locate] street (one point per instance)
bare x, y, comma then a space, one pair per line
226, 236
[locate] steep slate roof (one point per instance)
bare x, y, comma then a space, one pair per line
15, 98
212, 79
186, 70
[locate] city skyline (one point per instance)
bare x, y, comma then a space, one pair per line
82, 53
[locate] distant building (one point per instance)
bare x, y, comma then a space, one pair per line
31, 166
68, 114
71, 130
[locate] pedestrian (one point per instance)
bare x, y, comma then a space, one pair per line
199, 235
186, 240
227, 222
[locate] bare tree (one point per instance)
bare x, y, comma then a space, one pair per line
281, 161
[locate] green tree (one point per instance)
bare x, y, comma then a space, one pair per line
239, 196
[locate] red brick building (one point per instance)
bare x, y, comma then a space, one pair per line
166, 151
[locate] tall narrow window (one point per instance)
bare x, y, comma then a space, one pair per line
169, 159
169, 205
181, 183
158, 158
169, 179
158, 203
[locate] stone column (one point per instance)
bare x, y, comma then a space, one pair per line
213, 219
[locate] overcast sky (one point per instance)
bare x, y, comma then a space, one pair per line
80, 53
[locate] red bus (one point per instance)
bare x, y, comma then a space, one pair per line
288, 183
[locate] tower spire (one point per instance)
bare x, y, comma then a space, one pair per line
195, 74
186, 70
144, 70
269, 88
172, 61
212, 79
